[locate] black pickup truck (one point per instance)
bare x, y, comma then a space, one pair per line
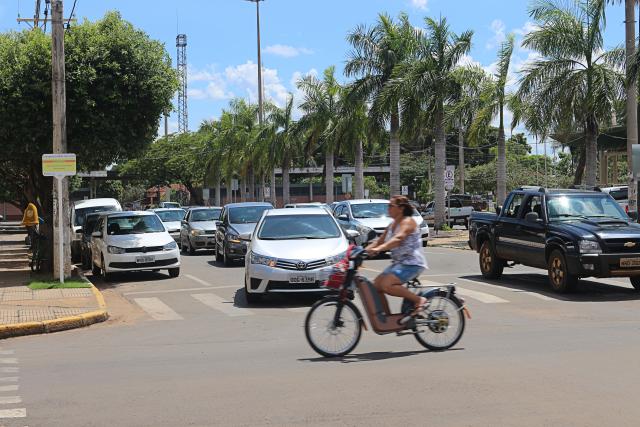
571, 233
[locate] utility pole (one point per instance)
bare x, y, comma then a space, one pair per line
59, 138
632, 104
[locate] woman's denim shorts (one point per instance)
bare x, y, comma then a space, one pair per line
404, 272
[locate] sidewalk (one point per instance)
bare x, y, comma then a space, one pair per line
455, 239
25, 311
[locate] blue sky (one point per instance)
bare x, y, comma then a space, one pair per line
298, 37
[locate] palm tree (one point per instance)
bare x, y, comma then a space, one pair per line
426, 82
376, 52
575, 76
321, 107
493, 100
465, 107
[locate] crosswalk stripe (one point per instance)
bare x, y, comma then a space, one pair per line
5, 400
8, 379
221, 304
503, 288
477, 295
13, 387
6, 352
157, 309
8, 360
9, 369
197, 279
13, 413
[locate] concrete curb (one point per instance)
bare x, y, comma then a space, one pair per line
61, 324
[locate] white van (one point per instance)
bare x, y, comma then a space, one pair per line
78, 214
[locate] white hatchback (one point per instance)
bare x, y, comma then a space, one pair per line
130, 241
289, 249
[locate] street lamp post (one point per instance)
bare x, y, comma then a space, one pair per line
260, 110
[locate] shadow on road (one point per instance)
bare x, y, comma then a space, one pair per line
370, 357
127, 277
220, 264
277, 300
199, 252
587, 290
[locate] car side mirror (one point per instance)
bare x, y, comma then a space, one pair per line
351, 235
245, 237
343, 217
97, 234
531, 217
498, 210
80, 230
218, 223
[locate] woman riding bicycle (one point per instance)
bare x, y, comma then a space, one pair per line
403, 238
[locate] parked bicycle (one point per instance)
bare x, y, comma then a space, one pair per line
334, 324
38, 257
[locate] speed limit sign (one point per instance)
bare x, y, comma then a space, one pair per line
449, 174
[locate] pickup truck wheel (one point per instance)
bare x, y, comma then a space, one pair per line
466, 223
559, 277
491, 266
635, 282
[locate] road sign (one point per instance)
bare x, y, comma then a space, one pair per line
347, 183
234, 185
366, 193
267, 192
59, 164
405, 190
205, 194
449, 177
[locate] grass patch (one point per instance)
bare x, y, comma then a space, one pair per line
55, 284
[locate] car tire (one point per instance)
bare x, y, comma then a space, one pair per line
174, 272
491, 266
94, 269
635, 282
218, 256
107, 277
466, 224
190, 248
425, 243
251, 297
559, 277
226, 259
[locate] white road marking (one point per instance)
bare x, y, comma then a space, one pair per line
503, 288
298, 309
171, 291
9, 369
221, 304
196, 279
9, 379
8, 360
157, 309
481, 296
13, 413
13, 387
6, 352
5, 400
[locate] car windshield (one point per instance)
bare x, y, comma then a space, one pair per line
135, 224
81, 213
289, 227
584, 206
370, 210
171, 216
246, 214
205, 215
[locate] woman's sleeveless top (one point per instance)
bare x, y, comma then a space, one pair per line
409, 252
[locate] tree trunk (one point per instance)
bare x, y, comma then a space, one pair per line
577, 178
632, 102
461, 158
194, 194
263, 184
358, 179
285, 180
252, 185
274, 196
218, 201
394, 155
441, 162
243, 188
591, 151
328, 162
501, 187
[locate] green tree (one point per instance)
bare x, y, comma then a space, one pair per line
576, 79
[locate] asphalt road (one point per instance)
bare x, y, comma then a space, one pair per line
190, 352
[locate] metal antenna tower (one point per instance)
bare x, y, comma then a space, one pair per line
183, 117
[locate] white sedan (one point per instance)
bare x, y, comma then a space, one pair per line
130, 241
289, 249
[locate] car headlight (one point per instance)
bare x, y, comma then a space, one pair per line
336, 258
263, 260
197, 232
233, 238
170, 246
589, 247
115, 250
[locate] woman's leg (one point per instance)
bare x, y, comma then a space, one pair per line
391, 285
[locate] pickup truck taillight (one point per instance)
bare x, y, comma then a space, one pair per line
626, 208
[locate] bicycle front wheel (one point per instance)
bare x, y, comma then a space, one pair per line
328, 337
441, 325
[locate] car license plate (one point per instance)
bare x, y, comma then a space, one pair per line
629, 262
302, 278
145, 259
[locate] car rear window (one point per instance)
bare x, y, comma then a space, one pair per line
621, 194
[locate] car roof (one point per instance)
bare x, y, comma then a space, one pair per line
560, 191
364, 201
298, 211
247, 204
113, 214
199, 208
89, 203
166, 209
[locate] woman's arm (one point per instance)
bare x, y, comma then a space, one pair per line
378, 241
407, 226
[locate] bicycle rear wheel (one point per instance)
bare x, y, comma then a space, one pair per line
442, 324
327, 337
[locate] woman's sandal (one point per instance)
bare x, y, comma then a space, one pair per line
420, 306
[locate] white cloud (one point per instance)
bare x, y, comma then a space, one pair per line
420, 4
287, 51
215, 89
526, 28
244, 76
466, 60
497, 27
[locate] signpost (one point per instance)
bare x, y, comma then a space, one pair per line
449, 175
59, 166
405, 190
635, 157
347, 183
267, 192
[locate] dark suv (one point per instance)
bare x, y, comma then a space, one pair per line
236, 219
571, 233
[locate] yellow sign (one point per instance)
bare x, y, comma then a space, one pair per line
59, 164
